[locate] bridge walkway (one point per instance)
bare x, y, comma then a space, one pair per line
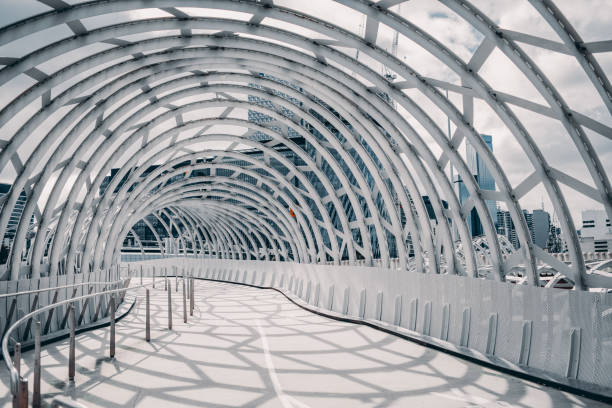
247, 347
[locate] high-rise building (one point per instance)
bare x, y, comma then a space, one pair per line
596, 232
543, 232
541, 228
11, 227
555, 242
13, 223
485, 181
529, 221
505, 226
261, 118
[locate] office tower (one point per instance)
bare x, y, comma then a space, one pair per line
596, 232
485, 181
541, 228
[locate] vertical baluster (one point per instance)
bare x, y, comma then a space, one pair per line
191, 296
17, 358
36, 386
17, 365
22, 399
148, 319
71, 355
169, 306
112, 325
184, 302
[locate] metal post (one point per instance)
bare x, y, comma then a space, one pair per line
153, 277
71, 354
112, 325
36, 385
166, 278
141, 275
17, 358
184, 302
169, 306
17, 365
191, 296
148, 319
22, 393
175, 278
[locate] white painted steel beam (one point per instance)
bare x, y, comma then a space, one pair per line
354, 186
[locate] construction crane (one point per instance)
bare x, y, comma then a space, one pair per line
361, 33
386, 71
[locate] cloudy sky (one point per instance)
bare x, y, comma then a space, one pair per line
592, 20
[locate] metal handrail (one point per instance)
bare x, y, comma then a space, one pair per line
19, 385
14, 376
29, 292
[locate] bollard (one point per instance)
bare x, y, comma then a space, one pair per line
184, 302
169, 306
188, 286
36, 385
148, 319
22, 393
17, 365
17, 358
175, 278
71, 354
191, 296
153, 277
141, 275
166, 278
112, 325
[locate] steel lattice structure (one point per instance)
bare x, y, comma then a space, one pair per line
357, 178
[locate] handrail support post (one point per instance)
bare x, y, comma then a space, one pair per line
148, 318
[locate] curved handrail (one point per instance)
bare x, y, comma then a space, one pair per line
13, 375
29, 292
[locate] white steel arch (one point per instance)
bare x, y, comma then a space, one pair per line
344, 166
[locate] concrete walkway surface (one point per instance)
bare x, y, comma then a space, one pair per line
247, 347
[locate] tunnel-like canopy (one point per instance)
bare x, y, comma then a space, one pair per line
289, 130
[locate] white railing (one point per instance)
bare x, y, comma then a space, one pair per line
549, 333
19, 384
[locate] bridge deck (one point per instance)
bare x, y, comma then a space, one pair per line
251, 347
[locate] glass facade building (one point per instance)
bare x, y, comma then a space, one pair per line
485, 181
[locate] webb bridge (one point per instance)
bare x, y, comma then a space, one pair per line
165, 160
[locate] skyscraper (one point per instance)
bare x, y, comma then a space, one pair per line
485, 181
13, 223
541, 228
596, 232
261, 118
